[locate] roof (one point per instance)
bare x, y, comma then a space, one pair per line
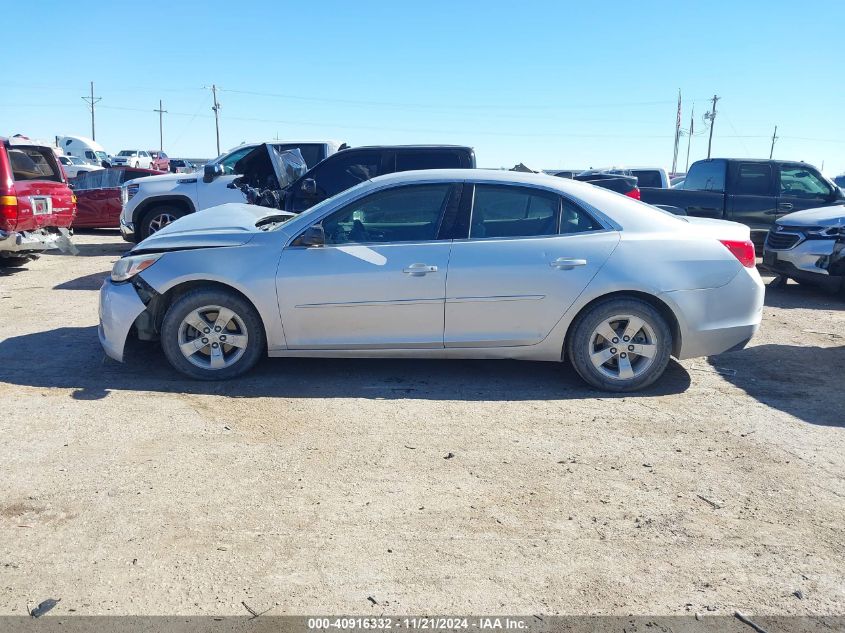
422, 147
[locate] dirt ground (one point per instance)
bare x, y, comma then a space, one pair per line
378, 486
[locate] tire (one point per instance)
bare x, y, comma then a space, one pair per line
622, 369
157, 218
137, 164
180, 331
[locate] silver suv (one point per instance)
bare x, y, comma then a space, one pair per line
809, 246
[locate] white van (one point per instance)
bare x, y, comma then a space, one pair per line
90, 151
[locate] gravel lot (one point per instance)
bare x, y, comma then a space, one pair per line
377, 486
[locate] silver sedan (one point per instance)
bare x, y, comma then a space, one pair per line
441, 264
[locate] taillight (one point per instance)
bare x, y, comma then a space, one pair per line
634, 193
743, 251
8, 212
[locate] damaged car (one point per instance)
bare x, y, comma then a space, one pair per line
36, 204
809, 247
450, 263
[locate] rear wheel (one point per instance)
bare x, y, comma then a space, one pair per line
157, 218
620, 345
212, 334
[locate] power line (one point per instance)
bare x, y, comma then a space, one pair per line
92, 101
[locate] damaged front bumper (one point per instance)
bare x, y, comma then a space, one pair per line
818, 261
26, 242
120, 305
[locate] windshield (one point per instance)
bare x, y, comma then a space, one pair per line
228, 160
76, 160
127, 152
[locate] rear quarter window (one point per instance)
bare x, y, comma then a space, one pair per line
648, 178
33, 163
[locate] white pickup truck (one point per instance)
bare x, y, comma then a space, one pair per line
154, 202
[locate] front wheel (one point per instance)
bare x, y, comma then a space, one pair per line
212, 334
620, 345
157, 218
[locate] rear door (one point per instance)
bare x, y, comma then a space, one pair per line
752, 198
379, 282
802, 187
529, 254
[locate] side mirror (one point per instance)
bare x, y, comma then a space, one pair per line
314, 235
210, 172
309, 187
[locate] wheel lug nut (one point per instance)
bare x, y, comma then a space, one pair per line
204, 340
217, 329
626, 338
222, 337
615, 340
630, 348
623, 355
613, 350
206, 330
214, 344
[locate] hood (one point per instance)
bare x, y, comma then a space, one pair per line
230, 224
719, 229
165, 178
265, 167
822, 216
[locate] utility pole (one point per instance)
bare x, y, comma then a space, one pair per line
216, 108
161, 112
677, 134
92, 101
711, 116
774, 138
691, 130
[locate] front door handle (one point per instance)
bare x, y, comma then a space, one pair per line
567, 263
418, 270
785, 206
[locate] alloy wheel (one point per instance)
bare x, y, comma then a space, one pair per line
159, 221
213, 337
623, 347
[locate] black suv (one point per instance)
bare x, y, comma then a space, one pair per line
348, 167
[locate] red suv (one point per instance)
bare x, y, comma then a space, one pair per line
36, 204
160, 161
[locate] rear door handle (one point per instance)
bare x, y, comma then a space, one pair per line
567, 263
785, 206
418, 270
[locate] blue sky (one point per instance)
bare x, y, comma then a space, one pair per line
550, 84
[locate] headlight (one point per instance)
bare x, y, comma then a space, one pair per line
124, 195
127, 267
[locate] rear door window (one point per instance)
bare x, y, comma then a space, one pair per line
706, 176
33, 163
753, 179
409, 161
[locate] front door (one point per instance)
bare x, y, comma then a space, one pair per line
379, 282
530, 253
